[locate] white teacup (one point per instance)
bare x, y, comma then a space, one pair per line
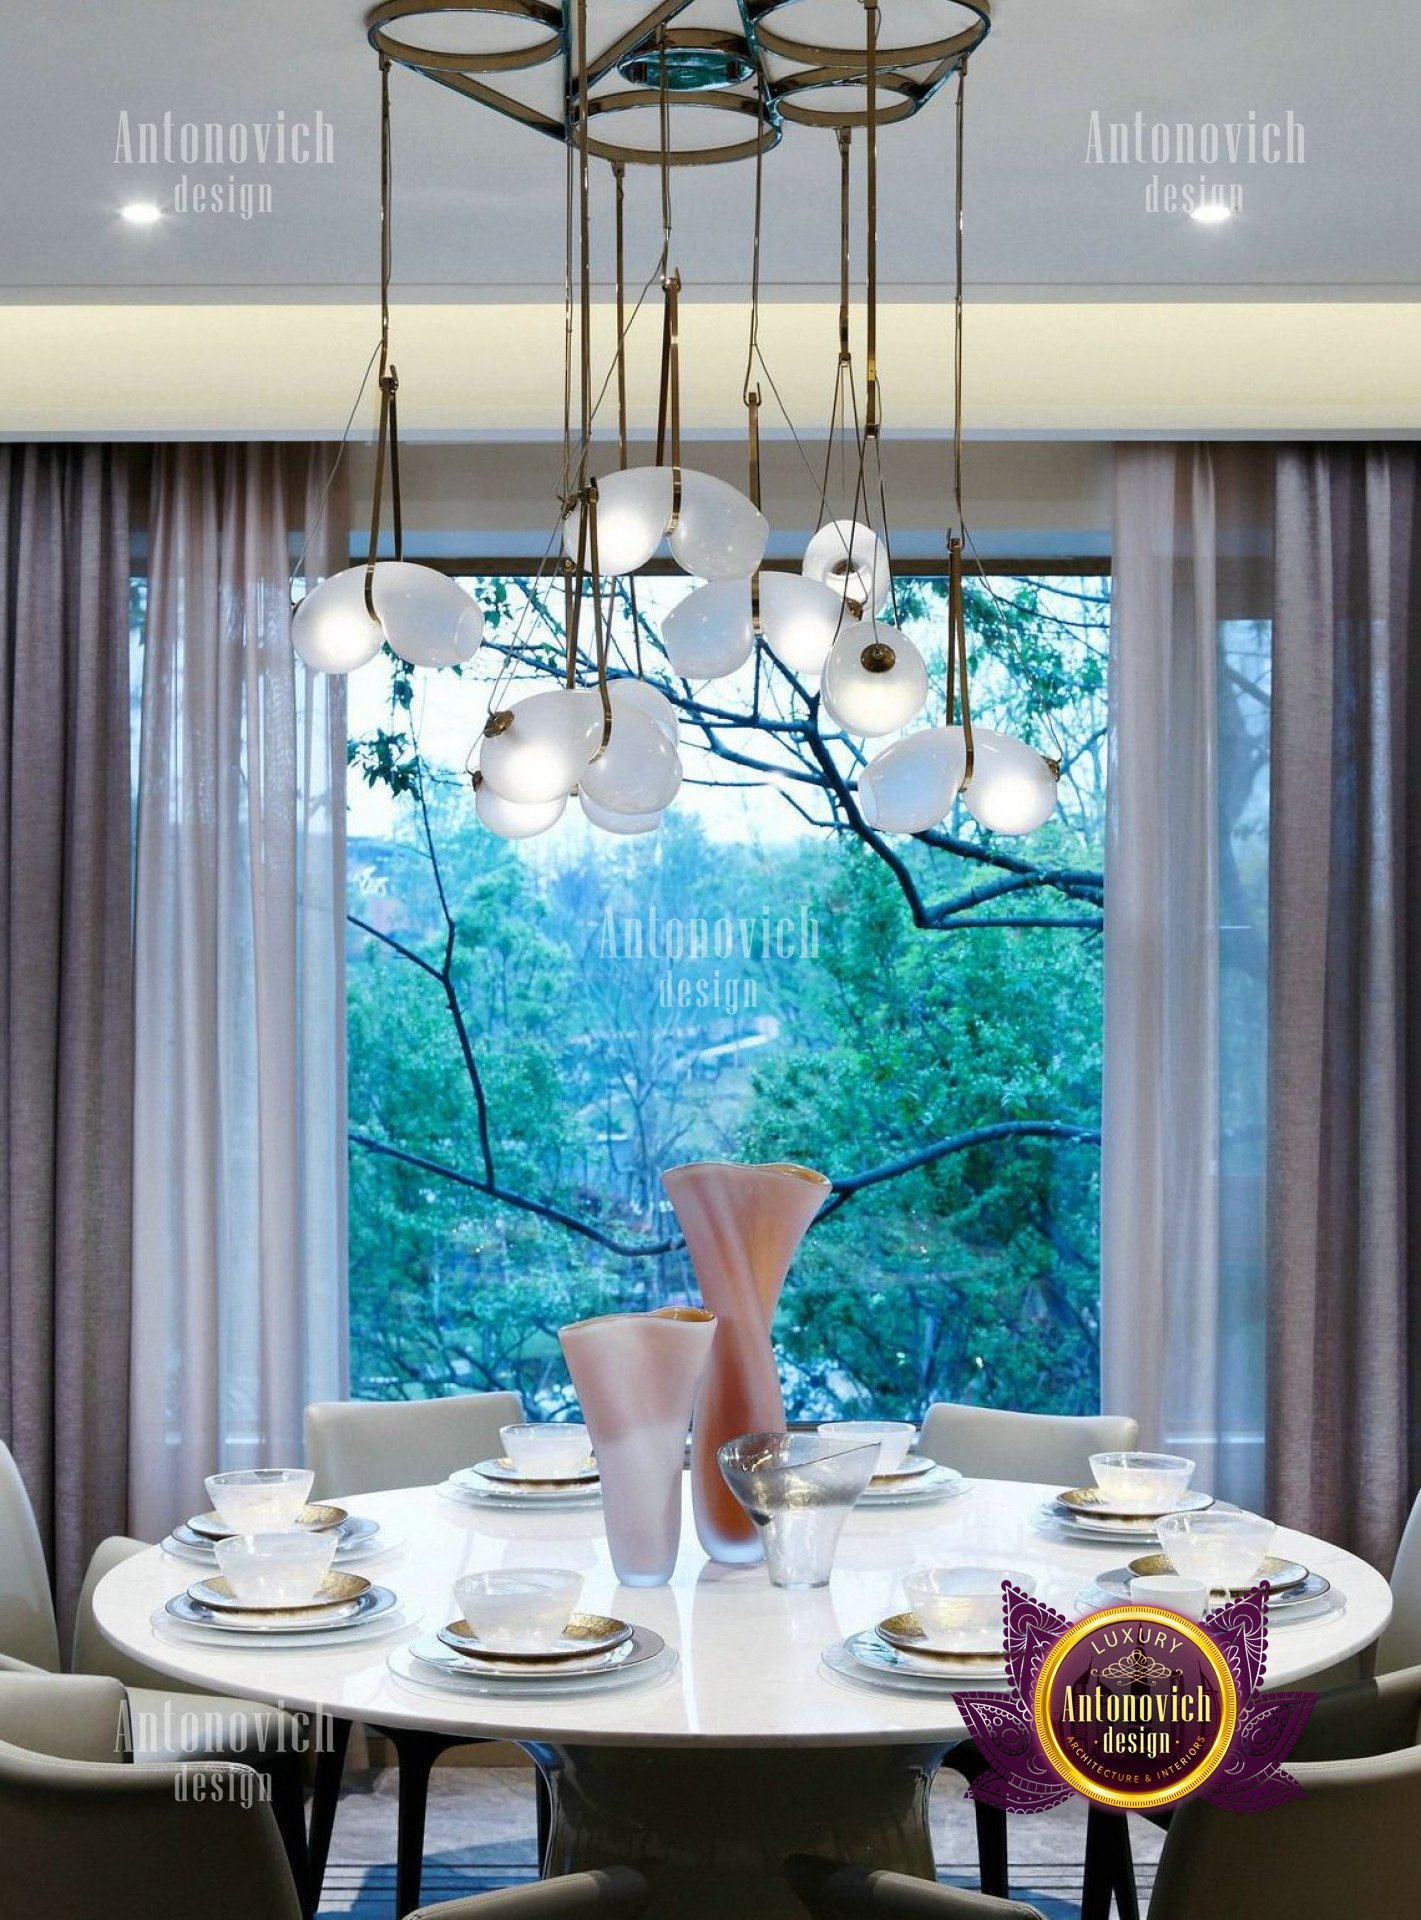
275, 1569
259, 1499
1173, 1591
546, 1449
956, 1607
518, 1609
894, 1438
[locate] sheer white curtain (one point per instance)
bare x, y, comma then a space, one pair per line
1182, 1249
239, 1116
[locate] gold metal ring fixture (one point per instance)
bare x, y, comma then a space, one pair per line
764, 134
538, 13
766, 15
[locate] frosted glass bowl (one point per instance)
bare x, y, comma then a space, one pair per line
276, 1569
259, 1499
518, 1609
957, 1607
1142, 1482
546, 1449
894, 1438
1224, 1550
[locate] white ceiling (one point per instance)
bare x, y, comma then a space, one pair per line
479, 199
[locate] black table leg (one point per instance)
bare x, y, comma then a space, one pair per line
325, 1797
1109, 1866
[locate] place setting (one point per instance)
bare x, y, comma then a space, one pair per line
1207, 1559
274, 1573
518, 1633
272, 1500
544, 1464
949, 1636
902, 1478
1132, 1493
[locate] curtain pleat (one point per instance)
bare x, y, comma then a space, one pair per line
239, 1228
65, 986
1345, 1014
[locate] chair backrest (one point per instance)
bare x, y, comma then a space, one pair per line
1400, 1645
831, 1892
1347, 1847
366, 1446
91, 1652
987, 1444
605, 1892
27, 1628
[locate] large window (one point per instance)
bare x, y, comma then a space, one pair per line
538, 1029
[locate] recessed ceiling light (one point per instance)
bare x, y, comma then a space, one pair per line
140, 213
1212, 213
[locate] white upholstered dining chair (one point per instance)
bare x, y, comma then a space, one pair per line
372, 1446
1400, 1645
1346, 1848
29, 1643
987, 1443
85, 1831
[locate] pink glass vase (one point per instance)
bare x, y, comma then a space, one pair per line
743, 1226
637, 1376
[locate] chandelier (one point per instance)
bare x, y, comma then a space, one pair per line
670, 90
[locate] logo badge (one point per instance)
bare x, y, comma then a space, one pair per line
1135, 1707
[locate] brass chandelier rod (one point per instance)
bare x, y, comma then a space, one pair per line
388, 445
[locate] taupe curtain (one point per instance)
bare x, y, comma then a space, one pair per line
65, 990
1345, 996
239, 1113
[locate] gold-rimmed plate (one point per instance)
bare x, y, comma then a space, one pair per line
314, 1519
336, 1590
503, 1473
1281, 1575
587, 1634
1089, 1503
911, 1466
251, 1627
904, 1631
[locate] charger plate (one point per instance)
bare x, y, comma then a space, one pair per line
1089, 1503
865, 1660
504, 1473
427, 1666
357, 1539
1280, 1574
399, 1620
1115, 1582
1316, 1599
904, 1631
914, 1464
514, 1499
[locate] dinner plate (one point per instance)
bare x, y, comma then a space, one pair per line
398, 1623
504, 1473
938, 1483
587, 1634
512, 1499
645, 1656
1089, 1503
903, 1631
865, 1660
357, 1539
336, 1590
608, 1660
291, 1620
1095, 1533
1280, 1574
314, 1519
1114, 1586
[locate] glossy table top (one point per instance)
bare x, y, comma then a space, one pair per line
749, 1672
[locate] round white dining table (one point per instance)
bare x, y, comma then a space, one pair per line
749, 1750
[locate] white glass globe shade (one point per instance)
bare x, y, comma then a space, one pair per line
633, 507
864, 700
1012, 790
708, 634
541, 755
850, 558
911, 785
623, 823
510, 819
332, 630
428, 618
639, 694
640, 770
799, 618
719, 534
